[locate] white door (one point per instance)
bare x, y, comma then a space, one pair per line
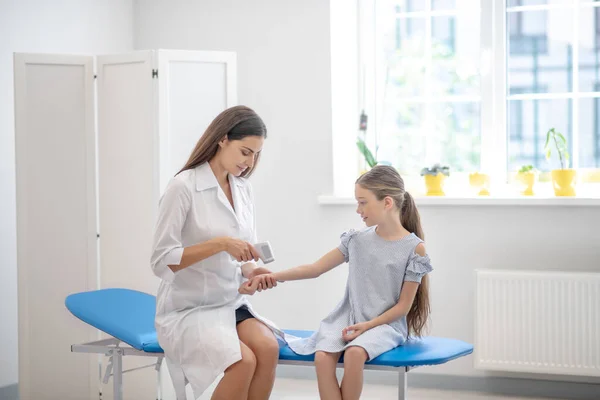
56, 221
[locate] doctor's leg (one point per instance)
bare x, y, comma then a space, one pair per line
237, 378
259, 338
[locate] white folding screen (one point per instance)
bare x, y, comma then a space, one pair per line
152, 107
56, 220
193, 88
127, 168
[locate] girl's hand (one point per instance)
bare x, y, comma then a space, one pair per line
352, 332
265, 281
240, 250
258, 271
259, 282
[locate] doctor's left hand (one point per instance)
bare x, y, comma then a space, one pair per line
258, 282
258, 271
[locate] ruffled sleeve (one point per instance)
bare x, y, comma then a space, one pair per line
418, 266
344, 246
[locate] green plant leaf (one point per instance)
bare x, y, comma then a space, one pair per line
546, 145
362, 146
561, 145
526, 168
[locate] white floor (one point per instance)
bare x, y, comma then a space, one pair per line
304, 389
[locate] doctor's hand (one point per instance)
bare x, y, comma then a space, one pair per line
240, 249
259, 282
259, 271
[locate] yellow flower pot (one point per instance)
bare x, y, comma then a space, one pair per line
588, 175
435, 184
480, 182
527, 180
563, 181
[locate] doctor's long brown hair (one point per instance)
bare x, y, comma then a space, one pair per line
235, 123
385, 181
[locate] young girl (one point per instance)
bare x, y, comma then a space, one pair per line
386, 296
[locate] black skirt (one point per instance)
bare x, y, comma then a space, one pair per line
242, 314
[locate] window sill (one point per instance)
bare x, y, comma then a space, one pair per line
479, 201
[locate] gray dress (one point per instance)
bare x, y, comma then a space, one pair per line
377, 269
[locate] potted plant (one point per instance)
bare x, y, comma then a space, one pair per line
434, 179
527, 176
563, 179
480, 182
368, 156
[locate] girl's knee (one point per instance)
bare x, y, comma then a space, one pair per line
355, 355
324, 358
320, 357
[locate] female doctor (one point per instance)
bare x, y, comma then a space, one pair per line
203, 252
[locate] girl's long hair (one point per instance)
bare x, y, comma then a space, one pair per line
384, 181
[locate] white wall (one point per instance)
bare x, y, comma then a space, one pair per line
58, 26
284, 73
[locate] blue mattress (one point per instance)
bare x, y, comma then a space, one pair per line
128, 315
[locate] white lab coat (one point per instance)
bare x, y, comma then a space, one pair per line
195, 307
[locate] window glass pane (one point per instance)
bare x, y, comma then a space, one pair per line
455, 55
444, 4
401, 141
455, 135
589, 133
404, 56
517, 3
529, 121
540, 51
419, 118
416, 135
589, 49
404, 6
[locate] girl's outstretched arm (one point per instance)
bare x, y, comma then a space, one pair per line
308, 271
314, 270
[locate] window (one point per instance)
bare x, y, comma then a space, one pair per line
526, 33
423, 66
561, 77
477, 85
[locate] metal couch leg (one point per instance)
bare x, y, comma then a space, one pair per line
402, 384
117, 367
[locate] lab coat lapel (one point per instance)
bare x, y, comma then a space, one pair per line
206, 179
225, 203
238, 199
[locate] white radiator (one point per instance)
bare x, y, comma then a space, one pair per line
540, 322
